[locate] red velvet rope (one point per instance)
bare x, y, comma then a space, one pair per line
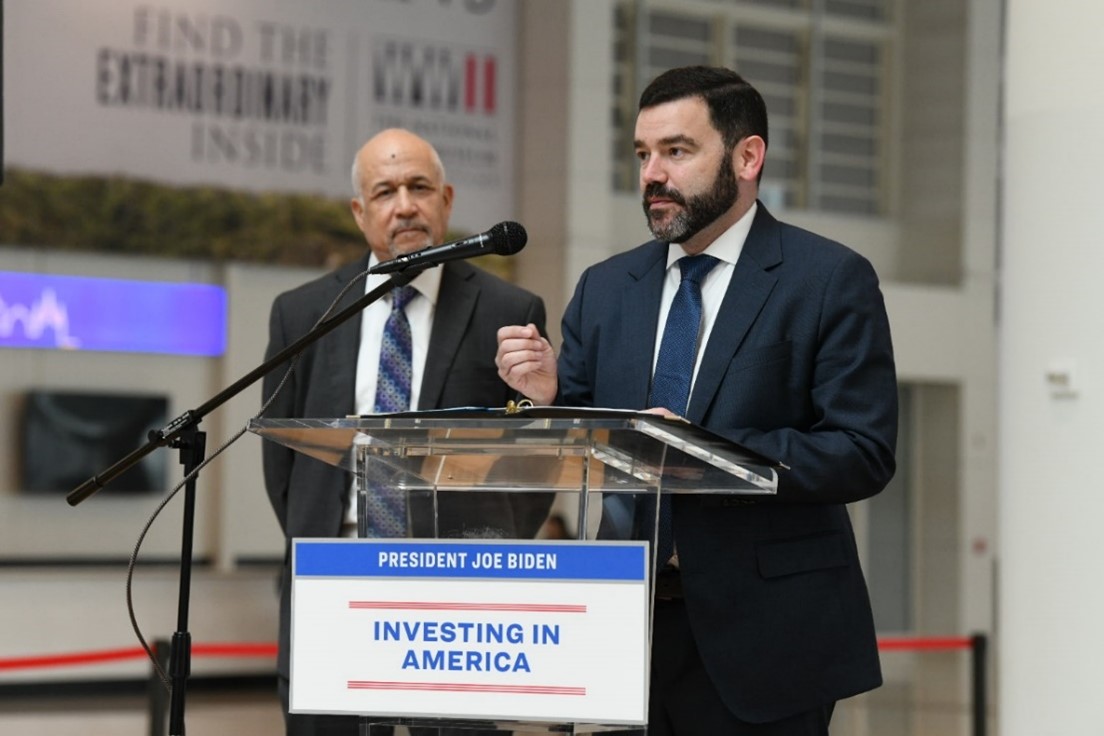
77, 659
924, 643
268, 650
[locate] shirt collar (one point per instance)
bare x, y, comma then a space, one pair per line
728, 244
427, 283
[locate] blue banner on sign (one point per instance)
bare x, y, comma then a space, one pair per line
471, 559
79, 313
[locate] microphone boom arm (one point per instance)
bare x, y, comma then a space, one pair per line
167, 434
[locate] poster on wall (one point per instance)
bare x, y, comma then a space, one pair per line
262, 96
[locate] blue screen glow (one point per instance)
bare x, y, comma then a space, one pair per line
79, 313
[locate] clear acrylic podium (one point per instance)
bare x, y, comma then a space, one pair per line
494, 474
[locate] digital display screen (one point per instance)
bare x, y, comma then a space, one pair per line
113, 315
68, 437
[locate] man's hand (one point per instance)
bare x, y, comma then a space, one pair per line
527, 363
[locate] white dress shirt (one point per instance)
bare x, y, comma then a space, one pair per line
419, 312
726, 248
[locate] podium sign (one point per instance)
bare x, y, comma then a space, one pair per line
468, 621
471, 629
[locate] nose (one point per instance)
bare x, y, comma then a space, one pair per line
404, 202
652, 171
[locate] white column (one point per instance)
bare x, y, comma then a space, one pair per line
1051, 312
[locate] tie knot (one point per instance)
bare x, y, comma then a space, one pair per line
695, 268
401, 296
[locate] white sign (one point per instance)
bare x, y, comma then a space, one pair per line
471, 629
263, 95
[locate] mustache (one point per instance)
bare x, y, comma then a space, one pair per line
657, 190
409, 225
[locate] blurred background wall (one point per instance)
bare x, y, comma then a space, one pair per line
202, 142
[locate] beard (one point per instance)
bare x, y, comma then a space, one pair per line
699, 211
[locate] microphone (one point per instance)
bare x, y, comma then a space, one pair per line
505, 239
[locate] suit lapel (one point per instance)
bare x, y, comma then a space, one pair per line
455, 304
640, 313
748, 291
342, 345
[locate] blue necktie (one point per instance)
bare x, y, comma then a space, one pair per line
674, 369
386, 506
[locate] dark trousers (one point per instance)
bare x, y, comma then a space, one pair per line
684, 701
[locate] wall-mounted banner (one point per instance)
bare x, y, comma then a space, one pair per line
263, 95
80, 313
472, 629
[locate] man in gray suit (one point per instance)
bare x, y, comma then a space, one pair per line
402, 204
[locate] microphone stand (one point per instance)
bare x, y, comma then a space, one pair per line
192, 444
184, 434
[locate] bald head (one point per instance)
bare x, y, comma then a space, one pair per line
393, 141
402, 202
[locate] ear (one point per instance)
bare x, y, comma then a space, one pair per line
447, 193
748, 158
358, 211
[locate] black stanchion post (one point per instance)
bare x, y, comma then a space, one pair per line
978, 661
158, 694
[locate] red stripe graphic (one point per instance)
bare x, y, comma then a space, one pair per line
489, 100
442, 606
469, 82
460, 687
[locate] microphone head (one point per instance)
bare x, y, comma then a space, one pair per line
507, 238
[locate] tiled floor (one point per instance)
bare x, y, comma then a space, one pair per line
239, 714
893, 710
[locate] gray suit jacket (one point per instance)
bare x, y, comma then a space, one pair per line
308, 496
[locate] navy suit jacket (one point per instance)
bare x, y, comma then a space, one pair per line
309, 496
799, 367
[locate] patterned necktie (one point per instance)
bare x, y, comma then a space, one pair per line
396, 351
386, 506
674, 369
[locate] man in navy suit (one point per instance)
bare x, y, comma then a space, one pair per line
402, 204
764, 621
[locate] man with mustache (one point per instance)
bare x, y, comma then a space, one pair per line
762, 620
402, 204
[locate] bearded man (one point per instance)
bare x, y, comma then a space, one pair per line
777, 339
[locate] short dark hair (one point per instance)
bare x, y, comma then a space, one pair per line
736, 109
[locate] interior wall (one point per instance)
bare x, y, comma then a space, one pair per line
247, 526
980, 288
931, 147
592, 233
40, 526
935, 474
542, 140
106, 524
1051, 376
63, 611
72, 598
943, 329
